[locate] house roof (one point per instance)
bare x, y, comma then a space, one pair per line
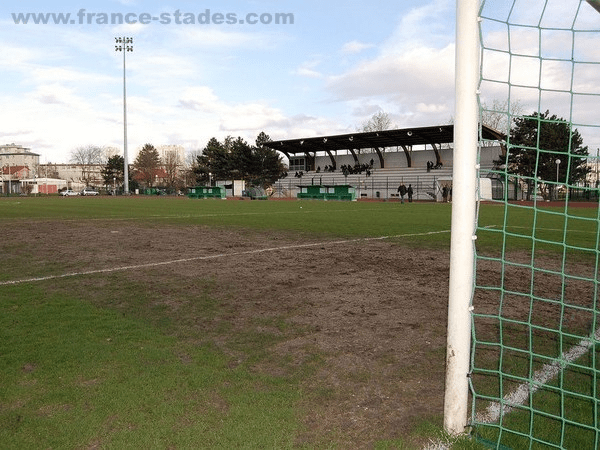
158, 172
11, 170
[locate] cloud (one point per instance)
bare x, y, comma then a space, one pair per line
220, 36
553, 68
199, 98
232, 117
422, 75
307, 69
18, 56
127, 2
424, 26
16, 133
412, 75
353, 47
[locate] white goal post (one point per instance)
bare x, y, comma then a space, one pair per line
465, 174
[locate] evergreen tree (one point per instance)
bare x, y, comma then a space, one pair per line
241, 160
536, 142
212, 160
146, 164
268, 165
235, 159
112, 173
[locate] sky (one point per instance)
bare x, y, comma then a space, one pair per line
328, 72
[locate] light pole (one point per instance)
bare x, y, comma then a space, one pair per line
114, 185
557, 167
124, 44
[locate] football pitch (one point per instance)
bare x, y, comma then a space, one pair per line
156, 322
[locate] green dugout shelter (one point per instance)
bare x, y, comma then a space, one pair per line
206, 192
327, 192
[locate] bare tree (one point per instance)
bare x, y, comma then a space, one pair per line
188, 175
172, 166
191, 157
500, 115
87, 157
497, 114
378, 122
89, 154
51, 171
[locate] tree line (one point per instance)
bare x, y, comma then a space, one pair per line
235, 159
230, 159
533, 147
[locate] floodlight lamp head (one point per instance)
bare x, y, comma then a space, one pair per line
595, 4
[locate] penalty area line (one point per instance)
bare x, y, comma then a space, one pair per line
215, 256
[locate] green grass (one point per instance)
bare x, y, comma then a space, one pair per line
343, 219
75, 374
546, 226
100, 362
133, 374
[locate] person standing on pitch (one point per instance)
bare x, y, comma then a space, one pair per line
409, 191
402, 192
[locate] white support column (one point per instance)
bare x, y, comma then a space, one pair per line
464, 190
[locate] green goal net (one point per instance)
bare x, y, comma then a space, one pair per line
535, 359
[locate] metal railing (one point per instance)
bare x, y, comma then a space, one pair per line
426, 187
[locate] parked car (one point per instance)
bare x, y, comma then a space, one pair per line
68, 193
89, 191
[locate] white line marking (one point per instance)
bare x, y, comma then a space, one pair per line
193, 216
207, 257
540, 378
561, 230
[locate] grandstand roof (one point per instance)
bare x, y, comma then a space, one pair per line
404, 137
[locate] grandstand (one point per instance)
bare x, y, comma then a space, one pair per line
376, 163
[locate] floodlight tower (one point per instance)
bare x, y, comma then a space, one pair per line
124, 44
